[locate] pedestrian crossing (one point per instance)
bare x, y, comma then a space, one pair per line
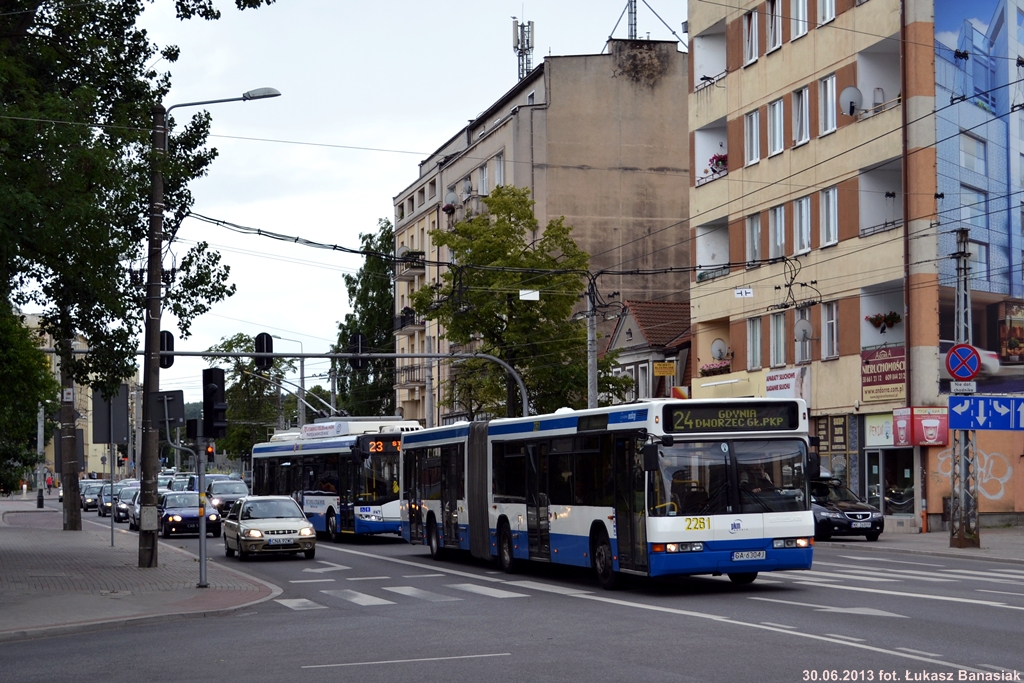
862, 570
366, 599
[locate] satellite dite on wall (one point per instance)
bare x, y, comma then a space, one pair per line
718, 349
851, 101
803, 331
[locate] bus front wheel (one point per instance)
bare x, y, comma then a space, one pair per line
743, 578
604, 562
434, 541
506, 554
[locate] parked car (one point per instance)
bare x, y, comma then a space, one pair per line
989, 361
179, 514
839, 512
222, 493
268, 525
89, 493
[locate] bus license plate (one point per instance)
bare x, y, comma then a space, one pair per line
748, 555
860, 525
279, 541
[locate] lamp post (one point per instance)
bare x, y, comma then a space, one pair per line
151, 341
302, 379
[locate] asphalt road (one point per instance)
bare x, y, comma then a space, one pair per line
380, 610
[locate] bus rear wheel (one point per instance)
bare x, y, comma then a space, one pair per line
332, 525
434, 541
506, 554
743, 578
604, 562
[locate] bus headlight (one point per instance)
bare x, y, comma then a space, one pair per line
791, 543
694, 547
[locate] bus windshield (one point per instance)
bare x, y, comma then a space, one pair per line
379, 479
694, 478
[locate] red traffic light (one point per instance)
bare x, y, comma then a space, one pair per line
209, 453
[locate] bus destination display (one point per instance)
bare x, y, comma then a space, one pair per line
748, 417
380, 443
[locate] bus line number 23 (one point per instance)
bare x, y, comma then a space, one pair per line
379, 447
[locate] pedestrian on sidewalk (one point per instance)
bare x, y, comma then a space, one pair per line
49, 484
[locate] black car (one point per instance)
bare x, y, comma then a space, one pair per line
90, 495
838, 512
224, 492
179, 514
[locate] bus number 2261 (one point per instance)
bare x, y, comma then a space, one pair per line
698, 524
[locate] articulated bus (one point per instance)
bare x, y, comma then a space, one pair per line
343, 472
657, 488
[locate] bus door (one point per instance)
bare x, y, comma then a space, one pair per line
348, 491
537, 528
453, 464
413, 494
630, 507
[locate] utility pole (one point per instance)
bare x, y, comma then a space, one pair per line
963, 529
591, 344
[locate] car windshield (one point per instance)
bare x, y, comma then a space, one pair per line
832, 493
126, 493
178, 485
271, 509
181, 500
221, 488
91, 489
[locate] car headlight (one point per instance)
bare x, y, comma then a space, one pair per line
88, 500
306, 531
107, 503
216, 502
122, 506
876, 515
175, 518
253, 533
212, 518
832, 515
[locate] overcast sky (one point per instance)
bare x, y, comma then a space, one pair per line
368, 91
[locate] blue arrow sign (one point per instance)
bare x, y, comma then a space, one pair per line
1002, 413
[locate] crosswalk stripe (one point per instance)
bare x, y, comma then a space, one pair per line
358, 598
899, 575
486, 590
331, 567
299, 603
547, 588
421, 594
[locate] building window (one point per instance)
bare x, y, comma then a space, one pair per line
826, 11
643, 389
774, 17
499, 170
631, 373
752, 137
754, 344
978, 260
801, 116
753, 240
775, 130
830, 330
749, 37
1020, 180
798, 13
531, 97
829, 216
432, 188
482, 175
803, 348
802, 225
778, 340
972, 153
827, 98
973, 205
777, 232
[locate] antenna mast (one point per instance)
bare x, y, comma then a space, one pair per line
631, 9
522, 45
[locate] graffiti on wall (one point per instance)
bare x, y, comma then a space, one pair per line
993, 471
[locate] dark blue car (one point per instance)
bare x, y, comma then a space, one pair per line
179, 514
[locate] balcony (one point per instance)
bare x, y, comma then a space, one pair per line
407, 322
409, 265
410, 376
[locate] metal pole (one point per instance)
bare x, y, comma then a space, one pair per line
430, 384
202, 520
113, 450
302, 389
591, 347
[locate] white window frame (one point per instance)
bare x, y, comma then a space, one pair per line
752, 137
754, 343
801, 116
776, 130
798, 14
773, 15
828, 202
777, 343
777, 231
643, 384
973, 154
830, 329
753, 240
499, 169
826, 11
483, 188
802, 225
827, 102
749, 38
802, 349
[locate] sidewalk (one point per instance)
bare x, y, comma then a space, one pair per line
56, 582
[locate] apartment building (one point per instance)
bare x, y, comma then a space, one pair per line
599, 139
836, 152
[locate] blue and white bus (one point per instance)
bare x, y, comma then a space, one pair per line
657, 488
343, 472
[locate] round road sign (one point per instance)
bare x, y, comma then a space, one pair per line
963, 362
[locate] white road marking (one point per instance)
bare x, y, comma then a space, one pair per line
991, 577
982, 590
547, 588
413, 592
451, 572
836, 635
943, 598
898, 573
300, 604
420, 576
919, 652
768, 623
368, 578
407, 661
486, 590
312, 581
883, 559
331, 567
358, 598
866, 611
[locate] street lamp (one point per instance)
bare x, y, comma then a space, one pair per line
302, 379
151, 341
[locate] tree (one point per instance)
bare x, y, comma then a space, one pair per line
27, 384
252, 397
370, 391
478, 300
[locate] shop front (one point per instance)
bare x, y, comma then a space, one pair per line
891, 479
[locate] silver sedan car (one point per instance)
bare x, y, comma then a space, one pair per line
264, 525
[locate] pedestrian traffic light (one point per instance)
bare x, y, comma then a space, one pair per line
210, 453
215, 407
264, 344
166, 344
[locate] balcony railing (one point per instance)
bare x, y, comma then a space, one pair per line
411, 375
410, 265
408, 322
713, 174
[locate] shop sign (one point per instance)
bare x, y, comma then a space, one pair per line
920, 426
789, 383
883, 374
878, 430
665, 369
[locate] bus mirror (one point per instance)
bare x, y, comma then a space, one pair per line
813, 466
667, 440
651, 457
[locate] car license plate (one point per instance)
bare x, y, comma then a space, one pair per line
860, 525
748, 555
192, 525
279, 541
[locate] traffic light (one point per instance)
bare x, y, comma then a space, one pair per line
215, 406
264, 344
166, 344
210, 453
357, 344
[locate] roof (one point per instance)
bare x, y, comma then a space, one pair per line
663, 323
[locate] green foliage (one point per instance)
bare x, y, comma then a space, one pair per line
370, 391
498, 254
27, 381
251, 396
76, 99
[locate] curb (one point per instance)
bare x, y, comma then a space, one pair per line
920, 551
